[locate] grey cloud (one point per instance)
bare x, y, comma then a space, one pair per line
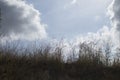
114, 11
21, 20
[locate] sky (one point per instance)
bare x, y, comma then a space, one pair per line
70, 18
57, 19
61, 22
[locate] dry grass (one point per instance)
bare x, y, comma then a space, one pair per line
46, 63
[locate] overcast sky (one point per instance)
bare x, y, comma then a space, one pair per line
70, 18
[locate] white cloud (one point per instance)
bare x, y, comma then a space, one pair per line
97, 40
106, 34
101, 36
114, 12
69, 4
21, 20
74, 2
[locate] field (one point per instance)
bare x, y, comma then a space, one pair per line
44, 64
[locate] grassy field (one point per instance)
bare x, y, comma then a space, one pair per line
44, 64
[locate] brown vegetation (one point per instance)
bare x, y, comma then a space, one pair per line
43, 64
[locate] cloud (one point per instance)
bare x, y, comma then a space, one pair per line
69, 4
102, 36
21, 20
98, 40
74, 2
106, 34
114, 12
